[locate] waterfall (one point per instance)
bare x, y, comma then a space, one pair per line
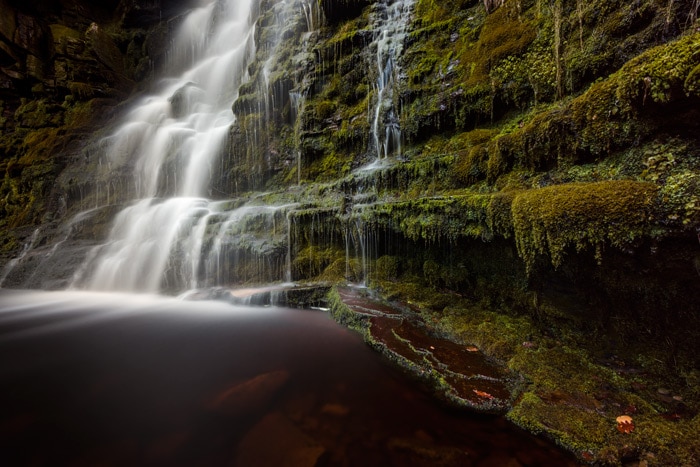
392, 18
174, 138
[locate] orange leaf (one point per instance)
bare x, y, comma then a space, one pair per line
625, 424
483, 394
472, 348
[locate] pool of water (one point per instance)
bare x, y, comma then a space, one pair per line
90, 379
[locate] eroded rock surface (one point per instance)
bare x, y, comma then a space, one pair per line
461, 373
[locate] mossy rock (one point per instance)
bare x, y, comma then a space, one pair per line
546, 221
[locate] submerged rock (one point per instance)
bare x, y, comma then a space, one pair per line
250, 395
292, 447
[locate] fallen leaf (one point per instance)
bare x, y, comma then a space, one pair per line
625, 424
483, 394
472, 348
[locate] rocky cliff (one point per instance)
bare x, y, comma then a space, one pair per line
525, 174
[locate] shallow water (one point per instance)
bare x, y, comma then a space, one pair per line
90, 379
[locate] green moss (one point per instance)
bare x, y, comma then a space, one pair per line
659, 74
387, 268
692, 82
38, 114
432, 219
66, 39
680, 200
504, 34
576, 430
582, 215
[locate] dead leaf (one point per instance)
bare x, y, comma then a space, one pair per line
472, 348
483, 394
625, 424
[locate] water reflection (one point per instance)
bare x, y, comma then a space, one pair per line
110, 379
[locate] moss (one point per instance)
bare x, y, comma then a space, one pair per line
38, 114
387, 268
659, 74
433, 219
680, 199
504, 34
472, 155
612, 114
692, 82
571, 428
325, 109
66, 40
548, 220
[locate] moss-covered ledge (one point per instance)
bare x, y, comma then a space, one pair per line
654, 90
548, 220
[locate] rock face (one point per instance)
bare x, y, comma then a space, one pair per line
543, 202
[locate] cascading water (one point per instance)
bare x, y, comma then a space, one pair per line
174, 138
392, 18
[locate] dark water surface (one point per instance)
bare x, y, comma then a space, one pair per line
90, 379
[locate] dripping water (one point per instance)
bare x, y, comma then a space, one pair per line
392, 18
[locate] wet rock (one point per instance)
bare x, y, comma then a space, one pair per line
276, 442
250, 395
341, 10
461, 373
104, 48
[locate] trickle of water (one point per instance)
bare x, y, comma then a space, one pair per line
312, 12
391, 18
13, 262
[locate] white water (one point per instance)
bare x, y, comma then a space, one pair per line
174, 139
392, 21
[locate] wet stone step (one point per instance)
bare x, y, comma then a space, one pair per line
460, 373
